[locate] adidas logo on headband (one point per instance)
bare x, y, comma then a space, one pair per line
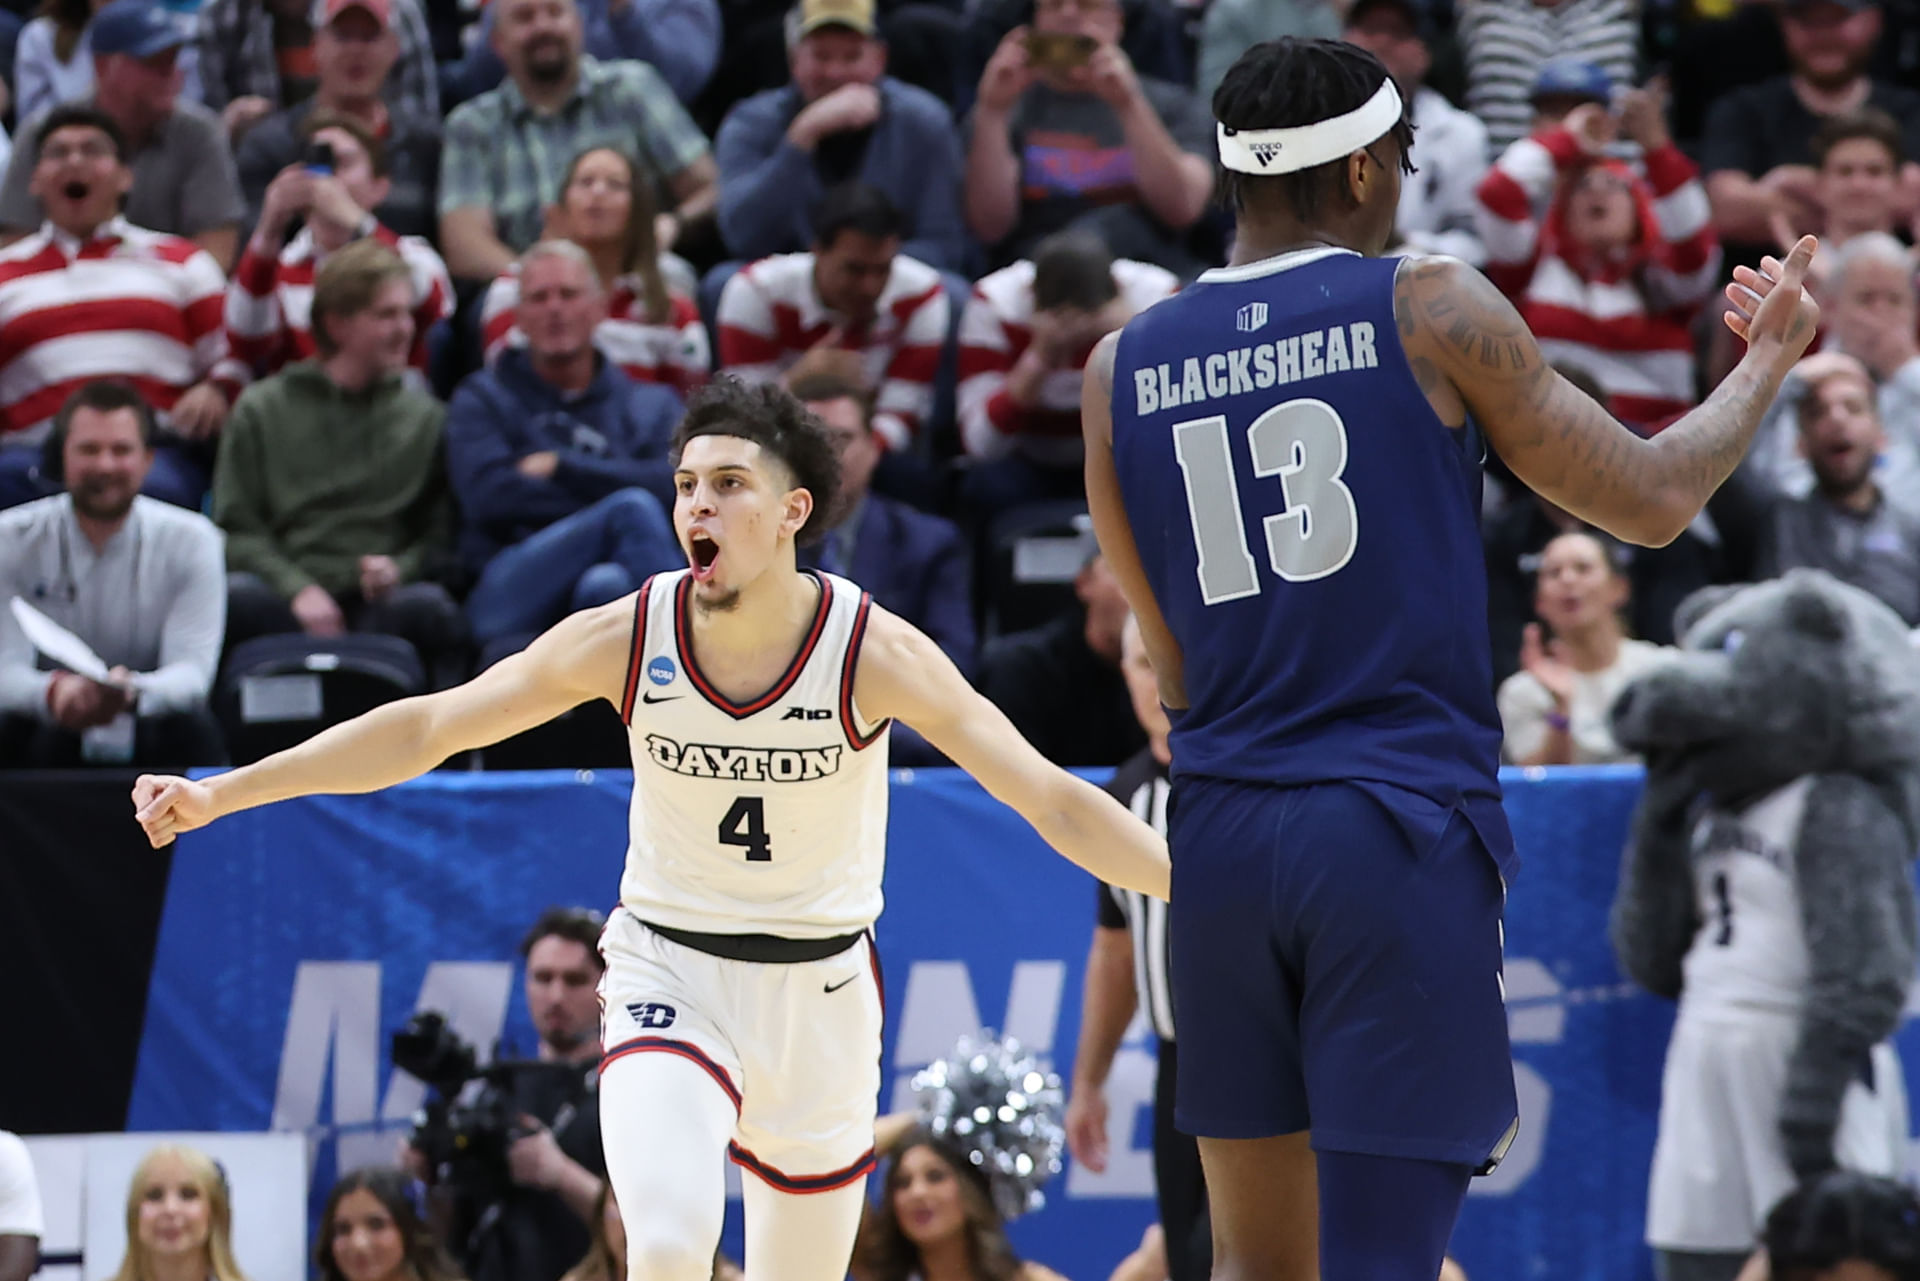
1258, 151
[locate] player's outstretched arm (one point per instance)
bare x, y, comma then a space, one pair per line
1463, 337
904, 676
1111, 528
584, 657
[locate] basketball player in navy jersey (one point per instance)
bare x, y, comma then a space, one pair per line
1283, 464
741, 995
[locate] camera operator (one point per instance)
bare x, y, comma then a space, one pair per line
530, 1224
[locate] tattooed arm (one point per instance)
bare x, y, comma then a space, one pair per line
1472, 353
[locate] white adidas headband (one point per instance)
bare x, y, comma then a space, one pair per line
1270, 151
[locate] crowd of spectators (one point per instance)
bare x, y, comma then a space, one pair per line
388, 308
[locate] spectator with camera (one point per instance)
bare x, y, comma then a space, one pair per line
179, 1219
841, 119
332, 481
530, 1221
269, 301
20, 1218
1065, 132
1025, 337
183, 179
1607, 268
140, 581
560, 463
356, 44
91, 295
370, 1231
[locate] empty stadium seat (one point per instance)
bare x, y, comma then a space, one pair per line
276, 691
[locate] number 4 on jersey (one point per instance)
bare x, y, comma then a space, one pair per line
745, 825
1304, 443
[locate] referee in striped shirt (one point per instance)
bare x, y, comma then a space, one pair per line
1127, 967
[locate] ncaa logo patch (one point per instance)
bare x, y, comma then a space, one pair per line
661, 670
1250, 317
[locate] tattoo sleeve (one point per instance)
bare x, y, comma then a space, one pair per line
1454, 324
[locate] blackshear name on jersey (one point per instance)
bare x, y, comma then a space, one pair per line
746, 764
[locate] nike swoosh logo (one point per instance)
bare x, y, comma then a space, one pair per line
664, 698
835, 987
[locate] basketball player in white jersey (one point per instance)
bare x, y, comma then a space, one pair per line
742, 991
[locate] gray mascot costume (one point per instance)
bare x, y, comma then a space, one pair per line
1768, 887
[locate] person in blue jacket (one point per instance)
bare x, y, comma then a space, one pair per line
560, 464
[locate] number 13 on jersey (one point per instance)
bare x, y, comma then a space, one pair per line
1304, 443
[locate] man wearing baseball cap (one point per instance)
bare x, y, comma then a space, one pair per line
355, 48
184, 181
841, 118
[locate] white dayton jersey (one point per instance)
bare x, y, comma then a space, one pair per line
1719, 1163
762, 817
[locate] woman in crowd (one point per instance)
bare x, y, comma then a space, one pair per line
1554, 709
53, 63
370, 1231
179, 1220
935, 1221
606, 207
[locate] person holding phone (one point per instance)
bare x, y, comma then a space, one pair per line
1065, 133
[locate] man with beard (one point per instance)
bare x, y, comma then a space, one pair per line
1848, 526
1757, 151
507, 151
140, 581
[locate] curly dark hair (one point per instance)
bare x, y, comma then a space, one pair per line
1286, 83
886, 1253
1843, 1216
423, 1255
770, 417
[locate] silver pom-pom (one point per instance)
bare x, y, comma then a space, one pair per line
1000, 1106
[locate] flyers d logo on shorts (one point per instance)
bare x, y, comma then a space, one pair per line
652, 1014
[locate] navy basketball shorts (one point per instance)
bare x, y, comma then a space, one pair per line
1336, 953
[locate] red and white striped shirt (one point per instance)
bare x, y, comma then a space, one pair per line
995, 329
674, 353
771, 315
1626, 323
129, 303
269, 310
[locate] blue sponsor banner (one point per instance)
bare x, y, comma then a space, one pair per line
296, 939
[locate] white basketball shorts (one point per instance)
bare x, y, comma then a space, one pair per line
796, 1047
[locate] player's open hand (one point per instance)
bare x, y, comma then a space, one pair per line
1772, 308
166, 805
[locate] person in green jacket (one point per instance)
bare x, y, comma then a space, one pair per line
331, 481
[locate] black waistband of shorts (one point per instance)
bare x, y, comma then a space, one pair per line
765, 949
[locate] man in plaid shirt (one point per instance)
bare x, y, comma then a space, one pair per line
508, 150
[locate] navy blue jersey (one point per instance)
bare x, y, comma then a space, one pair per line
1311, 532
